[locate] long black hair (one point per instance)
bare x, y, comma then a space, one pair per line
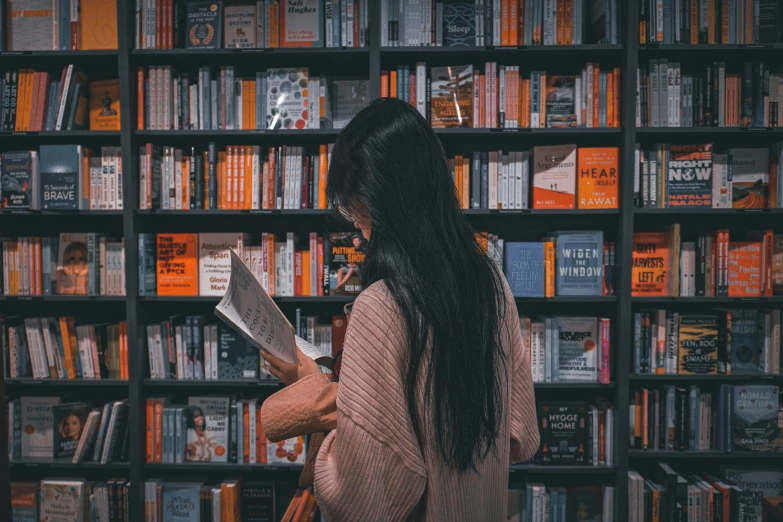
390, 165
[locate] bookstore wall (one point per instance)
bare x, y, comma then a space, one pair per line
620, 160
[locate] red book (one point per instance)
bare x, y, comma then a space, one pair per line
298, 273
320, 246
604, 376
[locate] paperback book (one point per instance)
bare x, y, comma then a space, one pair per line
580, 268
69, 423
346, 254
564, 436
452, 96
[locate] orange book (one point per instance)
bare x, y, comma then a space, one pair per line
526, 103
149, 415
271, 269
310, 509
601, 436
465, 183
642, 32
694, 15
513, 22
248, 177
384, 84
302, 505
711, 21
393, 83
246, 431
597, 173
637, 415
323, 173
177, 264
274, 27
568, 32
157, 426
291, 510
610, 99
745, 263
98, 25
549, 268
645, 418
305, 284
616, 97
724, 21
22, 91
229, 177
651, 261
260, 439
320, 257
86, 157
222, 181
504, 29
269, 176
70, 348
35, 95
559, 20
140, 88
124, 356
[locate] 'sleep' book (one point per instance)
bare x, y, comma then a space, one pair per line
249, 310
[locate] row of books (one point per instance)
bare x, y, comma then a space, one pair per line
61, 177
663, 493
264, 24
73, 264
248, 177
64, 348
60, 25
735, 418
469, 23
285, 98
737, 341
539, 502
38, 101
714, 264
695, 175
709, 96
575, 434
710, 22
214, 429
46, 427
501, 96
80, 500
568, 349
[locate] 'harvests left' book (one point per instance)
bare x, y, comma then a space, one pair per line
452, 96
755, 418
563, 428
207, 422
579, 260
689, 177
346, 260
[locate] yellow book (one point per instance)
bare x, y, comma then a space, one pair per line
105, 105
98, 25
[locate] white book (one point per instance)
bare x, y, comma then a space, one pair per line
88, 436
252, 406
493, 183
512, 180
35, 348
504, 179
38, 422
154, 347
588, 95
421, 88
178, 179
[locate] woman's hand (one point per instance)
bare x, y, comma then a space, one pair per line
290, 373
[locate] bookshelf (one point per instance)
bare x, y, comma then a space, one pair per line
617, 224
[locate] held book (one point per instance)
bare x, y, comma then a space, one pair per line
248, 309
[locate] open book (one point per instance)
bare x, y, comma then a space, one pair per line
249, 310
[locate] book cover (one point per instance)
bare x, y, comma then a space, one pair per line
17, 175
598, 169
258, 502
37, 424
350, 97
750, 178
105, 105
689, 177
31, 25
452, 96
579, 263
204, 30
560, 101
177, 264
69, 421
651, 258
697, 351
73, 270
237, 359
755, 418
287, 98
564, 437
346, 258
181, 502
777, 265
759, 482
745, 269
24, 501
577, 348
60, 167
459, 23
525, 269
214, 265
289, 451
301, 23
747, 341
62, 500
554, 177
98, 25
207, 420
240, 26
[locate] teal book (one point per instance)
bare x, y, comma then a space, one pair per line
755, 418
524, 267
579, 263
181, 502
60, 167
747, 341
459, 23
756, 483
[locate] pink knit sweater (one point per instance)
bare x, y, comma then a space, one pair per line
371, 467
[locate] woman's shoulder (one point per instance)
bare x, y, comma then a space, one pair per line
378, 296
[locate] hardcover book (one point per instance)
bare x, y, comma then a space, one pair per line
207, 420
64, 500
98, 25
745, 269
31, 25
689, 178
258, 502
750, 178
105, 105
697, 351
560, 112
287, 98
73, 269
747, 341
759, 483
181, 502
346, 257
651, 260
60, 176
204, 30
214, 264
579, 263
554, 177
177, 264
240, 26
577, 348
350, 97
598, 169
564, 437
452, 96
237, 359
37, 424
24, 501
69, 421
459, 23
755, 418
301, 23
18, 174
525, 269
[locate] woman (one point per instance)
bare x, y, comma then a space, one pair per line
71, 427
434, 396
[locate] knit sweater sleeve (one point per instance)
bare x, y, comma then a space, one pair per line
371, 467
